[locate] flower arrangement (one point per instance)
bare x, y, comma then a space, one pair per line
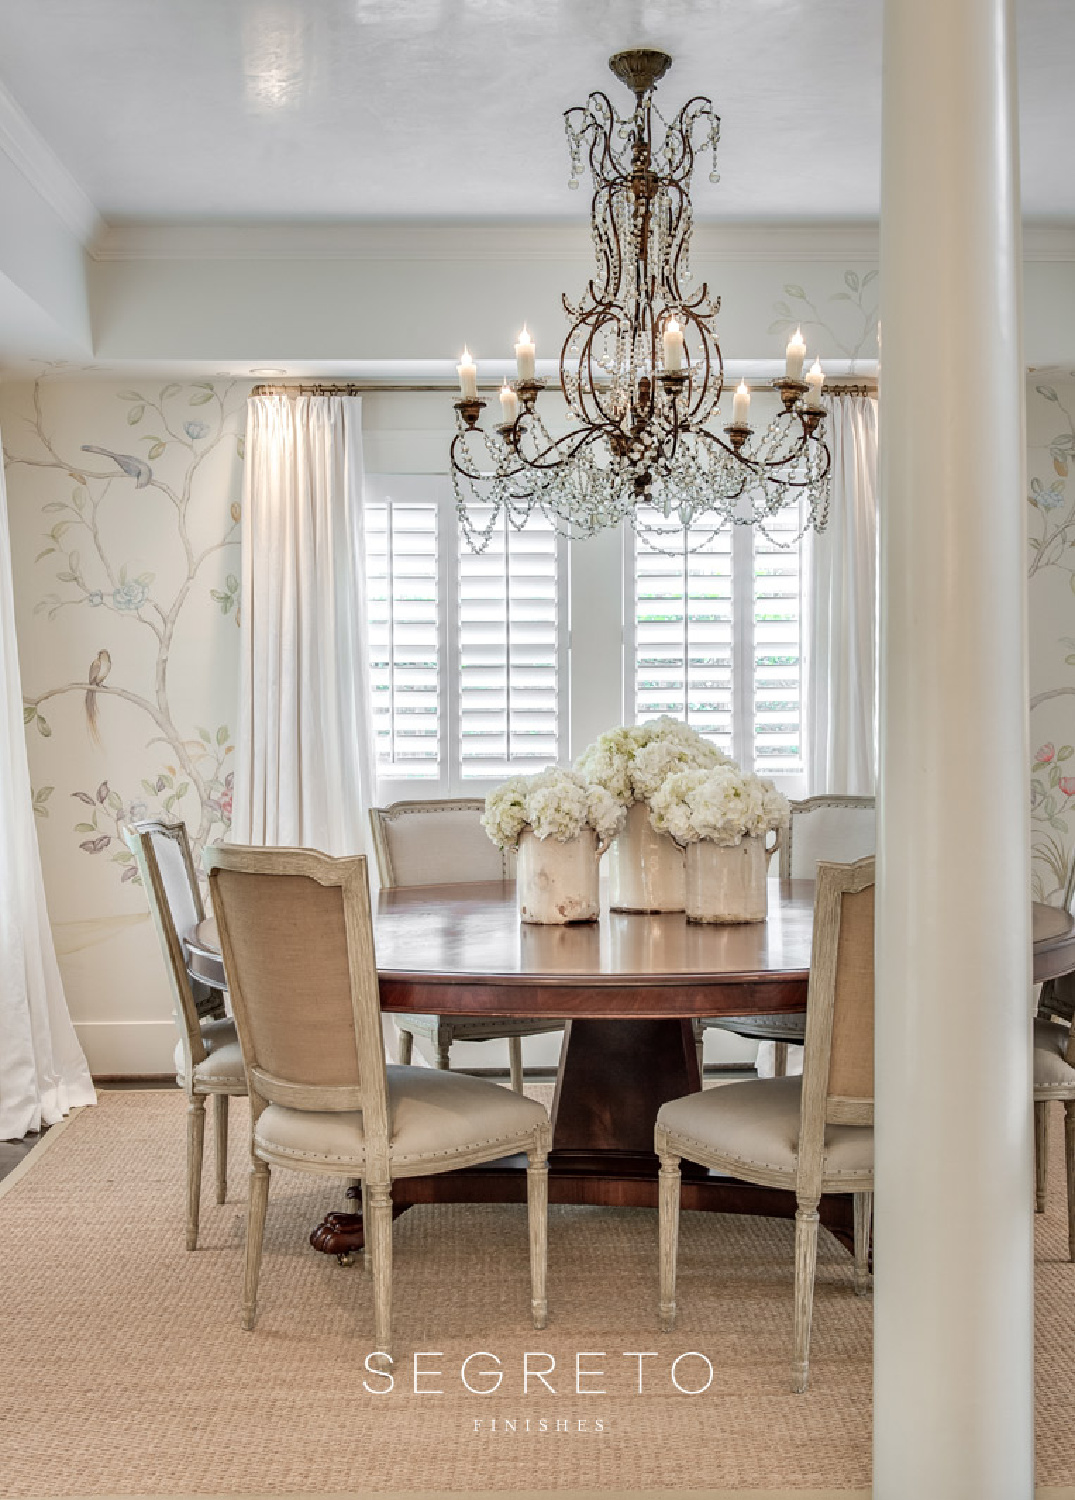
722, 804
633, 762
555, 804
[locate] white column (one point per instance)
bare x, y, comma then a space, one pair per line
954, 1283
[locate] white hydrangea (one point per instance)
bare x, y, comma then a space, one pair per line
722, 804
555, 804
632, 761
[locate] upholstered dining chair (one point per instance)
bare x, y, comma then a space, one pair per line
812, 1134
827, 827
1054, 1078
207, 1059
297, 942
443, 843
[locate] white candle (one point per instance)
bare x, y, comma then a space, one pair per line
815, 379
468, 376
673, 346
796, 353
509, 404
524, 356
741, 405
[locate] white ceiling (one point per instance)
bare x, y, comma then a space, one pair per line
343, 110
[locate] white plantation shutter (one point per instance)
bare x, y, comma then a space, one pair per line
778, 618
510, 669
714, 634
683, 630
402, 578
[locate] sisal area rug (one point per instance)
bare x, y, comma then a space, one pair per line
124, 1370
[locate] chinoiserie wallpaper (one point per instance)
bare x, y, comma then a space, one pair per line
124, 502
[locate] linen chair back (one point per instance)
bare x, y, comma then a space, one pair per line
436, 843
297, 942
837, 1086
841, 828
162, 854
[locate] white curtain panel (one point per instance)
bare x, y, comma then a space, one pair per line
43, 1071
841, 680
304, 751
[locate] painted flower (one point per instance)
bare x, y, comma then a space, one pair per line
1067, 785
129, 595
1047, 499
196, 430
224, 800
95, 598
1045, 754
137, 811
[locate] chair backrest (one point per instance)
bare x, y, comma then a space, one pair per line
841, 828
162, 853
297, 943
837, 1086
436, 843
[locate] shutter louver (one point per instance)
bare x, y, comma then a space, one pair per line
778, 645
683, 628
508, 652
404, 637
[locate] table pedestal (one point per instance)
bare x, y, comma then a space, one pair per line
614, 1076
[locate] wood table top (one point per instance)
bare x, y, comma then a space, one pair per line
471, 934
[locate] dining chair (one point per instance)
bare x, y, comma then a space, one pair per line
1054, 1078
297, 942
207, 1059
826, 827
814, 1133
442, 842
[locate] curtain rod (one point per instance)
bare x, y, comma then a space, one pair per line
865, 387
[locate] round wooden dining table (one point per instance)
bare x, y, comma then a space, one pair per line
628, 988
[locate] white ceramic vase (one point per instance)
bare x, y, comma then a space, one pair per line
727, 882
557, 883
646, 869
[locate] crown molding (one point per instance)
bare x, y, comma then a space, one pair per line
45, 172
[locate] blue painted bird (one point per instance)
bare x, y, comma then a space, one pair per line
138, 470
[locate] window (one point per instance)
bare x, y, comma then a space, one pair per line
468, 668
713, 635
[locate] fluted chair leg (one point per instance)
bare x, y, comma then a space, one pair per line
257, 1203
1041, 1152
443, 1049
537, 1210
863, 1215
367, 1257
220, 1139
195, 1152
515, 1063
780, 1060
669, 1238
378, 1233
806, 1224
406, 1047
1069, 1162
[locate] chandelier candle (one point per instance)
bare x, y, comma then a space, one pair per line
815, 379
468, 376
509, 404
636, 442
796, 354
741, 405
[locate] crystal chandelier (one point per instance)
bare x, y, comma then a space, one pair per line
641, 371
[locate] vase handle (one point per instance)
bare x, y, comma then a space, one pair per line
772, 848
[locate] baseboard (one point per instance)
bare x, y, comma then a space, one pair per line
128, 1049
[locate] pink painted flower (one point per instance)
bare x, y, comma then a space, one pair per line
1045, 754
1067, 785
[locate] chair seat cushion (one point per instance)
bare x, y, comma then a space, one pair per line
756, 1124
777, 1028
1052, 1075
434, 1118
223, 1067
476, 1028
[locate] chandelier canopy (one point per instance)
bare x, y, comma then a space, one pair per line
640, 369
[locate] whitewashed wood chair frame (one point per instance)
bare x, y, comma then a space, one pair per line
1054, 1079
208, 1061
784, 1031
825, 1100
325, 970
492, 864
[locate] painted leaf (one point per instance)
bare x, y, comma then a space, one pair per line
43, 728
199, 398
869, 276
794, 290
1048, 392
222, 735
206, 736
45, 792
47, 553
102, 791
84, 797
135, 415
131, 873
851, 280
156, 450
28, 712
131, 396
1065, 752
123, 856
85, 828
169, 390
182, 789
1060, 467
95, 846
236, 511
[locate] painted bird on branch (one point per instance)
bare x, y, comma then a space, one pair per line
100, 667
138, 470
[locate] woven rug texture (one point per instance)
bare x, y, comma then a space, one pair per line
125, 1371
